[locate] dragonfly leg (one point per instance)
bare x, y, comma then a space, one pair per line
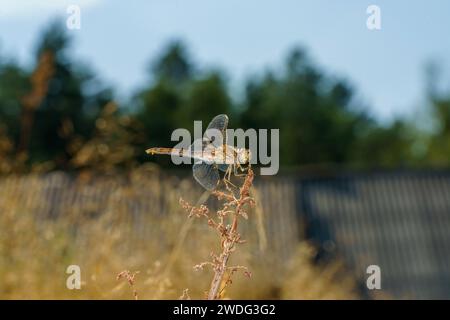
227, 178
236, 172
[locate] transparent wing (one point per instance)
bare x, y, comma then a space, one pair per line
219, 122
206, 174
201, 150
223, 167
218, 125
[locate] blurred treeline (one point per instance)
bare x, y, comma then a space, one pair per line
59, 115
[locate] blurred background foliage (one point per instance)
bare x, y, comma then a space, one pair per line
58, 115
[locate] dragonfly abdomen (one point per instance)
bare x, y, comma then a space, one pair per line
177, 152
167, 151
220, 155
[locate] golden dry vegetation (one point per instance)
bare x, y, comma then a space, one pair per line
107, 224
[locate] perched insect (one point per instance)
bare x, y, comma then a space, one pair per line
213, 154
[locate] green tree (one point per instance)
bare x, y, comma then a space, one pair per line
384, 146
173, 65
316, 120
206, 97
438, 148
159, 102
62, 104
13, 86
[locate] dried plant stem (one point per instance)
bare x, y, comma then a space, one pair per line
232, 208
130, 277
217, 279
221, 267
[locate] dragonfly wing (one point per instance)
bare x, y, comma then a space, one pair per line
217, 125
206, 174
223, 167
219, 122
202, 151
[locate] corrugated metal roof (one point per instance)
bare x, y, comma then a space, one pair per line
398, 221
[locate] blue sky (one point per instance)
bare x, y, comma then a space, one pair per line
119, 38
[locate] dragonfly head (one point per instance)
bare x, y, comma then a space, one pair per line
244, 156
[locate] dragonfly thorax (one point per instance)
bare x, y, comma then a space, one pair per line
224, 154
243, 155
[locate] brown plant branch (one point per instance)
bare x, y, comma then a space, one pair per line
129, 277
232, 209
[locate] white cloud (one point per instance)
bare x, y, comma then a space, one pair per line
25, 8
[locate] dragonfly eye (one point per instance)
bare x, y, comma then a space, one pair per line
244, 156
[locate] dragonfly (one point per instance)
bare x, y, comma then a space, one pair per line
211, 155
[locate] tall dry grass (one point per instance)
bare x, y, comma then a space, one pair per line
110, 224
